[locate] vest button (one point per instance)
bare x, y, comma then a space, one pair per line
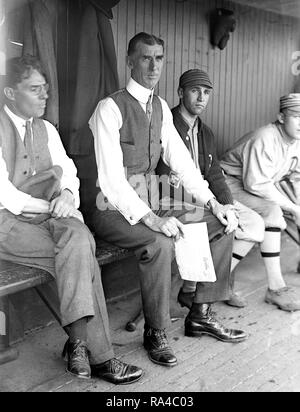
151, 141
25, 156
25, 173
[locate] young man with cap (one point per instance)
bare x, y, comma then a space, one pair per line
133, 128
194, 91
254, 168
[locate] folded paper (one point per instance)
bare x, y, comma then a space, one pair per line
193, 254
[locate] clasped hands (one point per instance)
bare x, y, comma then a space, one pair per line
63, 206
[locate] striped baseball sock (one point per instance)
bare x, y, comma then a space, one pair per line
270, 252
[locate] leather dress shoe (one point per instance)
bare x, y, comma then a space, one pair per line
78, 359
185, 298
117, 372
157, 346
204, 323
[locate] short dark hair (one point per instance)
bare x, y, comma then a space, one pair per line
20, 68
145, 38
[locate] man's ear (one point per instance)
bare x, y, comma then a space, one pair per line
280, 118
129, 62
180, 92
9, 93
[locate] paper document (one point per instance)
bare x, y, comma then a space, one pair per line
193, 254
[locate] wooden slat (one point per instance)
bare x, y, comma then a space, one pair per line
15, 278
249, 75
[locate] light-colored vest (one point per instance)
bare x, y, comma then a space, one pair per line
15, 154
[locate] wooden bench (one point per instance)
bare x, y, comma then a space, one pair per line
15, 278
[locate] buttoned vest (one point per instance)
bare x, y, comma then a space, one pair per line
14, 152
141, 144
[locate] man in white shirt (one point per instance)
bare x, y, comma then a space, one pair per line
41, 226
132, 129
254, 168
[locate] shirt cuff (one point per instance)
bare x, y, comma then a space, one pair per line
134, 218
17, 205
74, 193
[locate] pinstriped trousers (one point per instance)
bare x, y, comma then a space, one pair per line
66, 249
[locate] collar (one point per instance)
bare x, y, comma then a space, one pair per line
138, 91
181, 123
188, 120
284, 137
17, 120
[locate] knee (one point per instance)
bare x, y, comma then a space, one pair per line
159, 244
163, 243
273, 216
259, 227
256, 227
80, 236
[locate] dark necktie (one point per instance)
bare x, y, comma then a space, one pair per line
28, 143
149, 108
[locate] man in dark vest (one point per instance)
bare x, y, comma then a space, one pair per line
132, 129
41, 226
194, 90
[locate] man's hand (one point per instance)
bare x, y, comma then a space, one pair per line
226, 215
169, 226
63, 205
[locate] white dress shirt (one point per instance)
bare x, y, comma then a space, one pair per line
105, 124
15, 200
192, 134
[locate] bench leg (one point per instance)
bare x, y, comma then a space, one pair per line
7, 353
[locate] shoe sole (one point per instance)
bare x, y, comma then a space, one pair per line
269, 302
235, 306
168, 365
120, 383
199, 334
78, 376
133, 381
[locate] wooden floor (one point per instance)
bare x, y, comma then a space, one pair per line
268, 361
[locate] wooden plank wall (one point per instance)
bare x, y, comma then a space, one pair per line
249, 75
